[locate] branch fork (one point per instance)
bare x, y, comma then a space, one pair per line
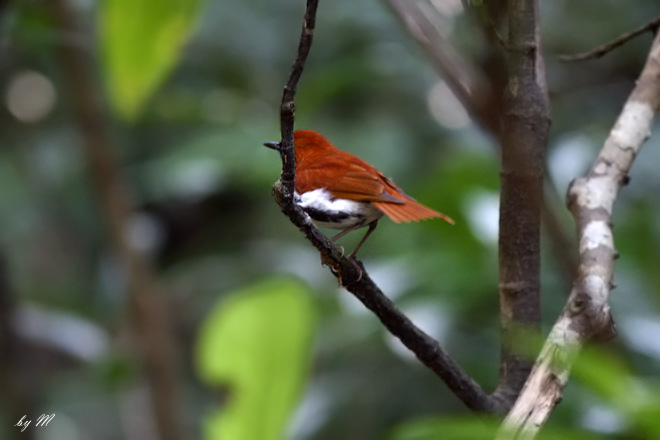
586, 316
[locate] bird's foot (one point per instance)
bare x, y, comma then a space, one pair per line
352, 259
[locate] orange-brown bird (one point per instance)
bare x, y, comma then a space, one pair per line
341, 191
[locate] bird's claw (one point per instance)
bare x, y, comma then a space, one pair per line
357, 266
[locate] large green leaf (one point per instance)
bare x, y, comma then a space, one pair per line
257, 345
141, 41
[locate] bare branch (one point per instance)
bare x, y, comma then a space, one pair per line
610, 46
426, 348
465, 79
591, 199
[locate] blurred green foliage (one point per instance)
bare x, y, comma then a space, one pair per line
462, 428
636, 399
196, 89
141, 41
257, 344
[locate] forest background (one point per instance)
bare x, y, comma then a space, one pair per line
132, 136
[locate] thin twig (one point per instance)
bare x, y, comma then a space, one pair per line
466, 80
586, 316
610, 46
287, 110
426, 348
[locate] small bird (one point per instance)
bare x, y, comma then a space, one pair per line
341, 191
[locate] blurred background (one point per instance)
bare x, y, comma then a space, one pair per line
149, 284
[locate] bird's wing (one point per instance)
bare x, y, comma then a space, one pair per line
351, 181
351, 178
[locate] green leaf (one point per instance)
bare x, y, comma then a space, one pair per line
141, 42
257, 344
473, 428
452, 428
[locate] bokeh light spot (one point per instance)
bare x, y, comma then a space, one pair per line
30, 96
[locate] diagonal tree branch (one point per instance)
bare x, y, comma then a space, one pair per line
426, 348
591, 199
468, 82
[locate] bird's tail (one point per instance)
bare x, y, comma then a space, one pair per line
410, 211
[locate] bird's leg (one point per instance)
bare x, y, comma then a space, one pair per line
372, 227
341, 234
345, 231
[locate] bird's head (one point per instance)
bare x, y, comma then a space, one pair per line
307, 143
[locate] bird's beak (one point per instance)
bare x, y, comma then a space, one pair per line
273, 145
